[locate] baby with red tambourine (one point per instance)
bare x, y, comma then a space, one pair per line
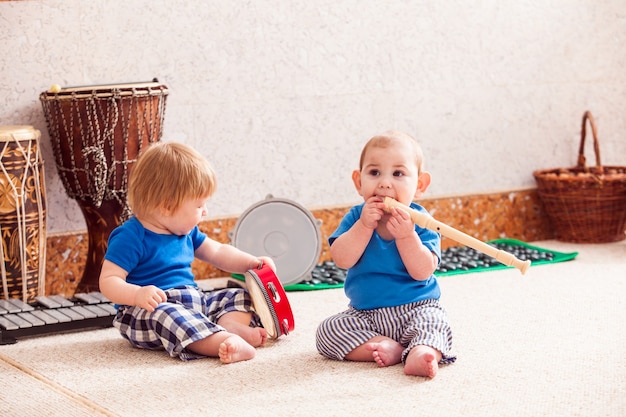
394, 315
147, 267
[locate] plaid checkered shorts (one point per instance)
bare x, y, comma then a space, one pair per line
187, 316
421, 323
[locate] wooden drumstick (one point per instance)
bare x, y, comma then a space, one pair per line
428, 222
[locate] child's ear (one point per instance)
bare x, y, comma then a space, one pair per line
356, 179
423, 182
165, 211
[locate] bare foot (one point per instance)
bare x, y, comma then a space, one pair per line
255, 336
422, 361
385, 352
238, 322
235, 349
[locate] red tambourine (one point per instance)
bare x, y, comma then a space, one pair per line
270, 301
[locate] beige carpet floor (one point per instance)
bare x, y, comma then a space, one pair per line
549, 343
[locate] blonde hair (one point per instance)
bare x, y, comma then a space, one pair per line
166, 175
387, 139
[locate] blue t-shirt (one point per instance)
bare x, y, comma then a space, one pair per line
379, 278
152, 258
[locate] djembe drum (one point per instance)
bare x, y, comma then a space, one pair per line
97, 133
22, 214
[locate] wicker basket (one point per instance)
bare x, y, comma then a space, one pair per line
585, 204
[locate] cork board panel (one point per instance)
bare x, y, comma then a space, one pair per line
518, 215
66, 256
216, 229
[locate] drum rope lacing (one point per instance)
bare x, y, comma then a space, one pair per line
98, 146
20, 209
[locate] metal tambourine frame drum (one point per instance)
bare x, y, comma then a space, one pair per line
283, 230
97, 133
270, 301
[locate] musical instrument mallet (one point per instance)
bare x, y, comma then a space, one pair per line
427, 222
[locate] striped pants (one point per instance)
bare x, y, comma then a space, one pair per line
421, 323
187, 316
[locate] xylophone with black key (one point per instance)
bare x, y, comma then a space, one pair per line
53, 314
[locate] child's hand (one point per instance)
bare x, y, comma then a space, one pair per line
267, 261
400, 224
372, 212
149, 297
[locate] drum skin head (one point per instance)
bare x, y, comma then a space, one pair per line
283, 230
10, 133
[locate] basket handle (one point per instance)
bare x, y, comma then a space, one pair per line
596, 145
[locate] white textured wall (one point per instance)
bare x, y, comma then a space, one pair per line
281, 95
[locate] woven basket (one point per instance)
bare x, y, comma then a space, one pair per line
585, 204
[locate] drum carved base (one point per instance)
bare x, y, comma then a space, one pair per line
100, 223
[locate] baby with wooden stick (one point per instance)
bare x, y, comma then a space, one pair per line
394, 315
